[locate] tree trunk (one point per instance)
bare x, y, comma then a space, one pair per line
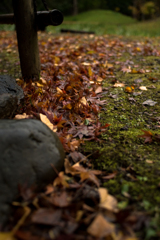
27, 38
75, 7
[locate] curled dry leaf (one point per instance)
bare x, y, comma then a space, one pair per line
98, 90
83, 101
100, 227
61, 180
149, 102
45, 120
22, 116
147, 136
119, 85
106, 200
143, 88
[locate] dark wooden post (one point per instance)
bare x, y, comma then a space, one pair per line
27, 38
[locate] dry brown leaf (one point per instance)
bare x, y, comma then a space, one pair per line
149, 161
21, 116
61, 180
119, 85
100, 227
83, 101
99, 79
45, 120
143, 88
62, 200
46, 216
98, 90
74, 144
106, 200
89, 175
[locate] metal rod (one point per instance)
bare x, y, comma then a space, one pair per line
44, 18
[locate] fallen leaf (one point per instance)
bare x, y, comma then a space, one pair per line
149, 161
149, 102
61, 200
100, 227
98, 90
147, 136
21, 116
6, 236
143, 88
45, 120
110, 176
129, 89
61, 180
83, 100
119, 85
46, 216
106, 200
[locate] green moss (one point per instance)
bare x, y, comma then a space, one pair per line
122, 150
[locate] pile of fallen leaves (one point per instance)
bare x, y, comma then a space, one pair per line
68, 100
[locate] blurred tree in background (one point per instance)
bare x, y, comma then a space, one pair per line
139, 9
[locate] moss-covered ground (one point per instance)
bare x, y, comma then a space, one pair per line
136, 164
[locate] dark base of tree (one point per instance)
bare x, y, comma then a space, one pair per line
76, 31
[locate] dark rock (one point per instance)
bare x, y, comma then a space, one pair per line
9, 85
28, 149
10, 96
8, 105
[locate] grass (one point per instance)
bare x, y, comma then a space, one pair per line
109, 22
105, 22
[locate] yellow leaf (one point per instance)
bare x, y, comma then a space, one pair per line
128, 89
106, 200
83, 100
57, 60
90, 71
43, 80
109, 65
134, 71
100, 227
39, 85
138, 49
45, 120
43, 43
59, 90
67, 106
6, 236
